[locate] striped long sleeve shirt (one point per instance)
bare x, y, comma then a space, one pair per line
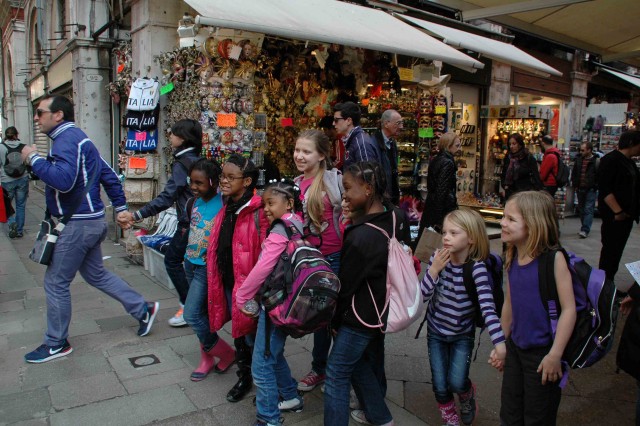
450, 311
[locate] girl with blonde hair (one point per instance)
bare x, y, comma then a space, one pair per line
451, 313
321, 188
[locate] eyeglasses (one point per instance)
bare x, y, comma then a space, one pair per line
336, 119
39, 111
230, 179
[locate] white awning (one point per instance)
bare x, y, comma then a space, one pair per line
626, 77
494, 49
329, 21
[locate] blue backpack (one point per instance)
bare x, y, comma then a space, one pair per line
596, 306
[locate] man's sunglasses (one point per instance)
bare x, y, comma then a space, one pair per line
39, 111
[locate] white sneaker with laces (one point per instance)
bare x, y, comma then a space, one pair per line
178, 319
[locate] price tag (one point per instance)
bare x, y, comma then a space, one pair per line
227, 120
425, 132
166, 88
141, 136
441, 109
137, 163
286, 122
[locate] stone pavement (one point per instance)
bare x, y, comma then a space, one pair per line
114, 377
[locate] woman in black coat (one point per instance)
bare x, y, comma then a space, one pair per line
441, 183
520, 171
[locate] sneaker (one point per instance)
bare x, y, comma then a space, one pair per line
468, 406
310, 381
46, 353
583, 234
359, 417
149, 316
178, 319
13, 230
19, 235
293, 405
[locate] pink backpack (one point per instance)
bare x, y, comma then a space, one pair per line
404, 298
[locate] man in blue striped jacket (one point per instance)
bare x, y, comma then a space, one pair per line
74, 171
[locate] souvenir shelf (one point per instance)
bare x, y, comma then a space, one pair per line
464, 123
609, 137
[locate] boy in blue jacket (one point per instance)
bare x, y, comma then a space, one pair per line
73, 163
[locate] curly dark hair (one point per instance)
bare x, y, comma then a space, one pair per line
371, 173
211, 169
249, 170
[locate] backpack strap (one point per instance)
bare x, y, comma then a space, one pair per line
470, 284
548, 288
189, 207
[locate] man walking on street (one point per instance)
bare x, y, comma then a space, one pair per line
583, 179
357, 143
74, 162
391, 125
15, 179
549, 166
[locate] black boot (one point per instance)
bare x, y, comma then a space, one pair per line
245, 380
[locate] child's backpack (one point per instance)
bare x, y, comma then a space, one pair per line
301, 294
404, 298
562, 177
494, 269
596, 306
13, 165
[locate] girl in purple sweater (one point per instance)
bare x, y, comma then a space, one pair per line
450, 315
271, 373
532, 368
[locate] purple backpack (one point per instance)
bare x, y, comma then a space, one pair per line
596, 306
301, 294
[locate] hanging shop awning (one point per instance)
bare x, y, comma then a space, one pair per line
329, 21
626, 77
494, 49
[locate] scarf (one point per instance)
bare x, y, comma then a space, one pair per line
514, 166
224, 251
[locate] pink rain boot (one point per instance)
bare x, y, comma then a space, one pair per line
225, 354
449, 414
207, 363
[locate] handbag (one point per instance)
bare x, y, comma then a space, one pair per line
42, 251
429, 242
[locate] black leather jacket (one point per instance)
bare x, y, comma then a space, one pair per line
441, 190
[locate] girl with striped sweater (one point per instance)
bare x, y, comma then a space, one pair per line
450, 315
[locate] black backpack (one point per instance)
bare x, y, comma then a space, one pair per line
494, 268
562, 177
13, 165
596, 306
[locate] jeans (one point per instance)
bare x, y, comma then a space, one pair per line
450, 359
322, 338
78, 249
614, 236
173, 259
525, 400
18, 190
586, 206
357, 358
196, 312
271, 374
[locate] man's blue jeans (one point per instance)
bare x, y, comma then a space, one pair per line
174, 258
271, 374
18, 190
196, 311
357, 358
78, 249
586, 206
450, 359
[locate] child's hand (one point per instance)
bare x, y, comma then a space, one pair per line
247, 313
497, 356
551, 369
626, 305
440, 260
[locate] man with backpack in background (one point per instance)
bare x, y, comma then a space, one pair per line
583, 179
15, 179
550, 165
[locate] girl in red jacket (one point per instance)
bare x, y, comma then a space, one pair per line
234, 246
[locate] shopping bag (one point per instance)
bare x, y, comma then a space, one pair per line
6, 209
42, 250
429, 242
